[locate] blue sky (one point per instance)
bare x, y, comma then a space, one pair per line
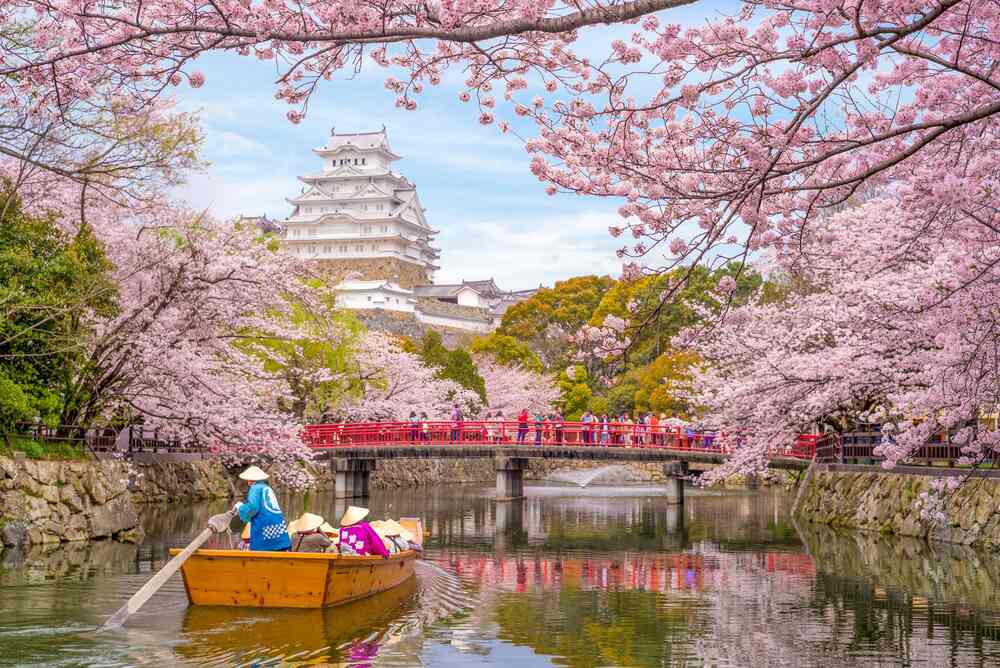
493, 215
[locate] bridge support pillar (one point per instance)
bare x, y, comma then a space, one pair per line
510, 477
675, 473
350, 477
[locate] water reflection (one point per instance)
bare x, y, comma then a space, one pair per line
568, 577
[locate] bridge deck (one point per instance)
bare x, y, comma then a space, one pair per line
587, 453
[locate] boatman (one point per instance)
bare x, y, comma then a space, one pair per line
268, 530
357, 537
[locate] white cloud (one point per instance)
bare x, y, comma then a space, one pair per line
524, 254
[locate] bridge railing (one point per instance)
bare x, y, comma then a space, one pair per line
858, 447
448, 433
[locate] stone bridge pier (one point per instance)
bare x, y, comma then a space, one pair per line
351, 477
510, 477
676, 472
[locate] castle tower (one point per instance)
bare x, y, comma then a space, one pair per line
359, 217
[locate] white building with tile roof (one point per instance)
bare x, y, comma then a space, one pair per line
365, 221
357, 213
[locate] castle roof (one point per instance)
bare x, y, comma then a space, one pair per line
357, 141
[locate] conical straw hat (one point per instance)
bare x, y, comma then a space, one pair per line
253, 474
353, 515
326, 528
392, 528
307, 522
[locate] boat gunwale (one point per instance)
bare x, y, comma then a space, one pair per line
322, 556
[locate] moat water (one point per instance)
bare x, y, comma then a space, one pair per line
571, 576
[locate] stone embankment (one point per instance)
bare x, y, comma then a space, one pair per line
51, 501
401, 473
895, 503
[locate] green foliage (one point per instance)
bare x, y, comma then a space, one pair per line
507, 351
326, 350
543, 321
36, 449
575, 395
456, 365
680, 312
48, 281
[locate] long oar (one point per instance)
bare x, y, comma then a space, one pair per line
216, 524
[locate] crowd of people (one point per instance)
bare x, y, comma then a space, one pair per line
545, 428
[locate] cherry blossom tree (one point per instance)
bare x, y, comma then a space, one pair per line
509, 388
892, 321
718, 139
394, 382
194, 300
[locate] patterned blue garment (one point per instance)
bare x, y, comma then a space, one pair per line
268, 531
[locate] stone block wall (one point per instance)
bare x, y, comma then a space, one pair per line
400, 473
50, 502
891, 503
406, 324
405, 274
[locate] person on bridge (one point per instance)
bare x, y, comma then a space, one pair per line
522, 426
357, 537
585, 420
539, 421
414, 426
558, 420
456, 424
268, 530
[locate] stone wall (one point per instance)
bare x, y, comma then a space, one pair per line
891, 503
50, 502
405, 274
406, 324
398, 473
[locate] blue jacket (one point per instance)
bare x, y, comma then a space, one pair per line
268, 530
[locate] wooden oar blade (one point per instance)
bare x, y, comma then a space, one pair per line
216, 523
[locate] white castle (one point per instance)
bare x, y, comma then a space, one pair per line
359, 217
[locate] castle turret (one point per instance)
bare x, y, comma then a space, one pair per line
358, 216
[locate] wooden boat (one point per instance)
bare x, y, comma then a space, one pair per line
289, 579
293, 579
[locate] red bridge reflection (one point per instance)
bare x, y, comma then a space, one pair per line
683, 571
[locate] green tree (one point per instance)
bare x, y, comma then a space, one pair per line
543, 321
654, 325
49, 282
456, 365
575, 395
316, 366
507, 351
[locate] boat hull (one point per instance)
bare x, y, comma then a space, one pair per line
289, 579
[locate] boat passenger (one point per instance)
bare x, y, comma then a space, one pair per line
357, 537
268, 530
307, 535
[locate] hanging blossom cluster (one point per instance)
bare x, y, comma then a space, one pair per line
895, 319
716, 139
509, 389
193, 296
395, 382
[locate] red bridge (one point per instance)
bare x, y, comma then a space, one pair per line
355, 448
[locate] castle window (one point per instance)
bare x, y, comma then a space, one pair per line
359, 248
385, 228
362, 161
343, 249
312, 248
355, 161
326, 249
